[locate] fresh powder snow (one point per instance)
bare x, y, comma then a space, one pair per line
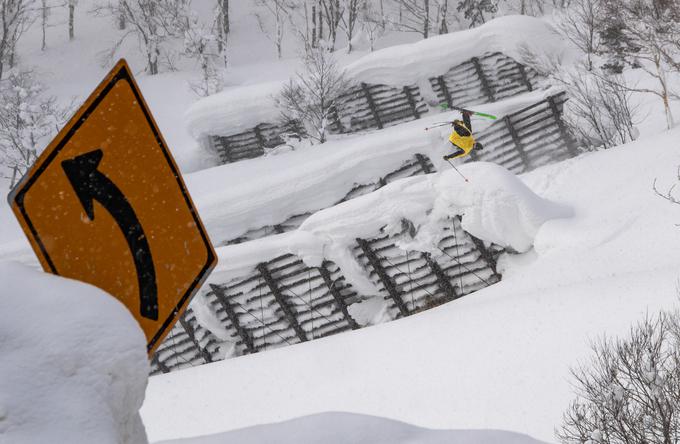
74, 366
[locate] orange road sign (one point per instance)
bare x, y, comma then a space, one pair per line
105, 204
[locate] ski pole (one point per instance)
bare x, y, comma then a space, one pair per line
457, 171
437, 125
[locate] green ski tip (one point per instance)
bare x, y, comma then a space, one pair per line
445, 105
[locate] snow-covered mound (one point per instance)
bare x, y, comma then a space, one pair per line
346, 428
73, 364
499, 359
495, 206
233, 110
405, 64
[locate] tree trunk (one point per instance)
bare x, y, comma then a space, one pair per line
426, 22
71, 13
121, 16
313, 26
44, 24
223, 28
320, 22
664, 93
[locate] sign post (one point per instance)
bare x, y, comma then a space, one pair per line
105, 204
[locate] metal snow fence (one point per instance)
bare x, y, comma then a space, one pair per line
489, 78
283, 301
528, 138
521, 141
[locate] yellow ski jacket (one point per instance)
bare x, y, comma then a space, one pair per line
461, 137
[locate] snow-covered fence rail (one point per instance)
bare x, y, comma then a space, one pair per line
282, 301
491, 77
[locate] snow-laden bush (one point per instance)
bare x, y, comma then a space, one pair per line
310, 98
28, 119
630, 391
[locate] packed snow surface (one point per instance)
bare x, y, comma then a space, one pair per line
345, 428
73, 365
498, 358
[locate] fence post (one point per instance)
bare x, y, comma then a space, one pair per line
486, 87
563, 130
339, 300
259, 137
278, 296
164, 368
385, 279
411, 102
445, 90
221, 297
484, 252
517, 142
190, 332
424, 163
442, 280
525, 79
371, 105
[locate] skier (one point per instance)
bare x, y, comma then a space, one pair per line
461, 137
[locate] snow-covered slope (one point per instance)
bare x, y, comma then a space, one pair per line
498, 359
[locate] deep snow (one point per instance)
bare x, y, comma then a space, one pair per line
73, 364
497, 359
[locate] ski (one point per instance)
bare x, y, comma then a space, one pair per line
472, 113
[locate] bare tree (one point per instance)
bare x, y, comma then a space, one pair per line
474, 10
641, 33
332, 12
272, 18
630, 391
349, 19
414, 16
14, 21
580, 24
372, 21
311, 97
201, 43
222, 25
28, 119
71, 18
153, 22
600, 110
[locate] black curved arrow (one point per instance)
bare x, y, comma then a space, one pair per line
90, 184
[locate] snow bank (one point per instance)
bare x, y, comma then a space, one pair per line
233, 110
495, 206
346, 428
73, 364
412, 63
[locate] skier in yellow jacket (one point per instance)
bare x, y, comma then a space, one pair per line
461, 138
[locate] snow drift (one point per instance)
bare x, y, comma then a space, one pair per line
346, 428
415, 62
495, 206
74, 366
